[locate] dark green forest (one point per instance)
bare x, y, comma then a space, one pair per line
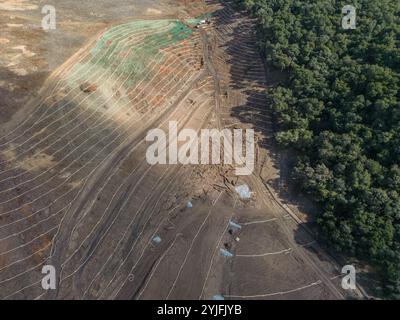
339, 112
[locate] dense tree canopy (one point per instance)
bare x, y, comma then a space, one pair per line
340, 111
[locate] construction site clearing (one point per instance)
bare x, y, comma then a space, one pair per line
77, 193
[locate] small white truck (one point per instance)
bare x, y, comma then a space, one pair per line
202, 22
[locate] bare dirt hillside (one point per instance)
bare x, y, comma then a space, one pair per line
76, 191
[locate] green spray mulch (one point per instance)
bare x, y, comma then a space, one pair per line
131, 60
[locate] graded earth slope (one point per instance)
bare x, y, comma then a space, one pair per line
76, 191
